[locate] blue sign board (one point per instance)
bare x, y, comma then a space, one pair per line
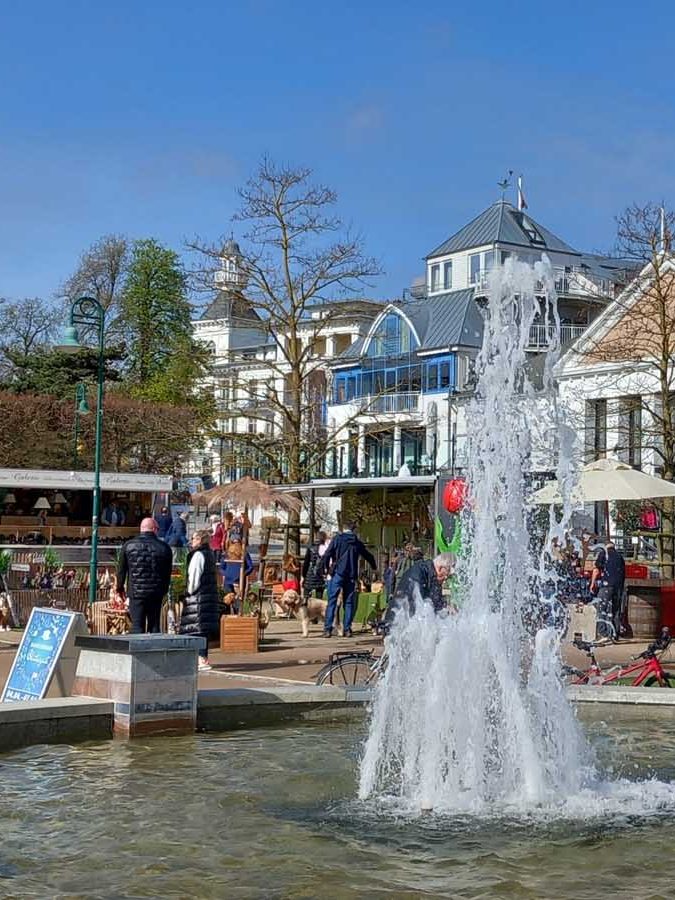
42, 643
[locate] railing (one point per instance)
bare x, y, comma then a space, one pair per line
391, 403
542, 335
243, 404
578, 281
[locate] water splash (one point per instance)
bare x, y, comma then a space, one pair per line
471, 714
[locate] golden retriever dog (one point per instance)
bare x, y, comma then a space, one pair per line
310, 610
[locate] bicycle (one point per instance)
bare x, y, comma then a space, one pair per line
354, 668
644, 669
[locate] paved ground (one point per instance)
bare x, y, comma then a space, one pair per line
286, 656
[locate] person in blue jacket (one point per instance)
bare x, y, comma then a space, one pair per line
176, 536
163, 523
341, 562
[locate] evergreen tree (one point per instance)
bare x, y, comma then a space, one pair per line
156, 314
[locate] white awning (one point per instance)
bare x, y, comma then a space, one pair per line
84, 481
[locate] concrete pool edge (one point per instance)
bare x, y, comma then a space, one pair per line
78, 719
57, 720
231, 708
621, 696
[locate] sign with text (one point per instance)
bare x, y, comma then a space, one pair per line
49, 635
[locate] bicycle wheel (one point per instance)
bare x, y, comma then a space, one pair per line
351, 671
654, 682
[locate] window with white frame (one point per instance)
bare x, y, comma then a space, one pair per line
447, 275
435, 277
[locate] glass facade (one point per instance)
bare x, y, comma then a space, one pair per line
392, 338
436, 373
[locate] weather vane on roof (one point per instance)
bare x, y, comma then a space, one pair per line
505, 183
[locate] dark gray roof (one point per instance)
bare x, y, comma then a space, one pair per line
446, 320
442, 321
230, 248
613, 268
227, 305
502, 223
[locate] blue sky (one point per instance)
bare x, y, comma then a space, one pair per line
142, 118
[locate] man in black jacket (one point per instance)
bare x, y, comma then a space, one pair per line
423, 581
341, 560
144, 574
609, 575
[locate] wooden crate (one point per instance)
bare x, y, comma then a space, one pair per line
239, 634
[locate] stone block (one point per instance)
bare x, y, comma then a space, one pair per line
152, 680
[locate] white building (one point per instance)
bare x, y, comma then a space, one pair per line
608, 383
249, 373
398, 394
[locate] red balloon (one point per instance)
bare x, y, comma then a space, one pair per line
454, 495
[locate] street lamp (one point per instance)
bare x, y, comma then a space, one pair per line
88, 312
81, 409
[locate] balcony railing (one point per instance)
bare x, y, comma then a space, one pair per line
542, 335
391, 403
577, 281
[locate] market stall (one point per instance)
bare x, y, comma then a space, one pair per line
45, 535
43, 506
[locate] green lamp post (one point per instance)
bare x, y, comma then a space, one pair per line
81, 409
88, 313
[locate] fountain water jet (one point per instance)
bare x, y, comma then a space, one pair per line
471, 714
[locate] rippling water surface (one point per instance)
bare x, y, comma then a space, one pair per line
272, 814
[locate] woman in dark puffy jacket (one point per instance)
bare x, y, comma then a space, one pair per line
201, 608
313, 578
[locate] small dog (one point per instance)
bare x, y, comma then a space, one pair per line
5, 613
310, 610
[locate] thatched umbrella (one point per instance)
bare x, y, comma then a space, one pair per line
246, 492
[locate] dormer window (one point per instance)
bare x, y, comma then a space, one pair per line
447, 275
532, 232
435, 277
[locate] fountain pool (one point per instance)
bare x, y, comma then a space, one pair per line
271, 813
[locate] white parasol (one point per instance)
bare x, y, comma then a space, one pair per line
608, 479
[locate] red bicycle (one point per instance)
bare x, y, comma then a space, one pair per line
644, 669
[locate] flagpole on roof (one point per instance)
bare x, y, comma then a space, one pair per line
522, 202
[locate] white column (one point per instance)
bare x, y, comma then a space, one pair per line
361, 452
397, 448
342, 459
330, 346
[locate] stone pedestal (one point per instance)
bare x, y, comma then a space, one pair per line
151, 679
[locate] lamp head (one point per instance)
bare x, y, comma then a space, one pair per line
83, 407
70, 341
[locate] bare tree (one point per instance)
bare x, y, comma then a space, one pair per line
26, 327
101, 273
298, 258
